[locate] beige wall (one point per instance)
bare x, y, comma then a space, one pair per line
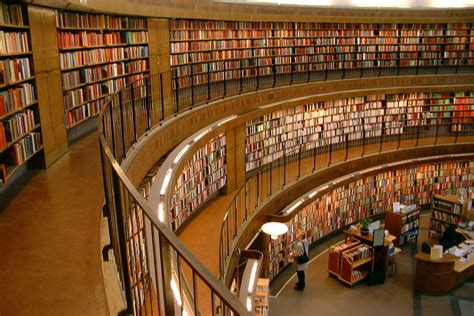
207, 10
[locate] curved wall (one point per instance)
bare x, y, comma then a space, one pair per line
213, 10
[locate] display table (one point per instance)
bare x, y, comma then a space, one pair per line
438, 276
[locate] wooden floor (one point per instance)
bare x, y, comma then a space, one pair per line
49, 239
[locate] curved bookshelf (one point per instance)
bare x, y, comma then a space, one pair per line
95, 54
367, 197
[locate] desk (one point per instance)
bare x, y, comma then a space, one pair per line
438, 276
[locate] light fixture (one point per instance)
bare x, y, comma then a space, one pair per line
274, 229
180, 154
294, 206
253, 274
227, 119
161, 212
175, 290
166, 181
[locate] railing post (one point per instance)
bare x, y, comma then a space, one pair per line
192, 84
330, 153
149, 101
309, 71
363, 138
258, 190
347, 147
132, 92
235, 217
208, 82
162, 98
225, 81
257, 76
119, 159
417, 135
299, 163
176, 89
122, 245
112, 134
271, 172
284, 165
241, 76
314, 157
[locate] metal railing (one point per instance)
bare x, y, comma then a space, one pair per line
196, 88
146, 252
158, 274
310, 157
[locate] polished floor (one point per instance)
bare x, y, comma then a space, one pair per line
49, 240
50, 255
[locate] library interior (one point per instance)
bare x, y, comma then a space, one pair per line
236, 157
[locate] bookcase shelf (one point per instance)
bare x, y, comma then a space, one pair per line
20, 128
98, 55
295, 47
356, 264
200, 179
404, 226
445, 210
366, 197
262, 292
270, 137
335, 254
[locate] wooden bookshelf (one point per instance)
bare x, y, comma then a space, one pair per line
356, 120
262, 292
20, 125
366, 197
404, 226
446, 210
98, 55
200, 179
210, 51
335, 254
356, 264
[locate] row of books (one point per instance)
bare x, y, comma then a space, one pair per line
228, 29
346, 28
13, 70
410, 225
285, 129
83, 112
73, 98
14, 42
202, 176
17, 126
16, 98
445, 217
178, 218
66, 19
83, 58
368, 196
359, 253
11, 14
73, 79
295, 46
448, 207
25, 148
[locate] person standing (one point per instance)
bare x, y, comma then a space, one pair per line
301, 247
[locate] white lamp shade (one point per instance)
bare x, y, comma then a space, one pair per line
274, 229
